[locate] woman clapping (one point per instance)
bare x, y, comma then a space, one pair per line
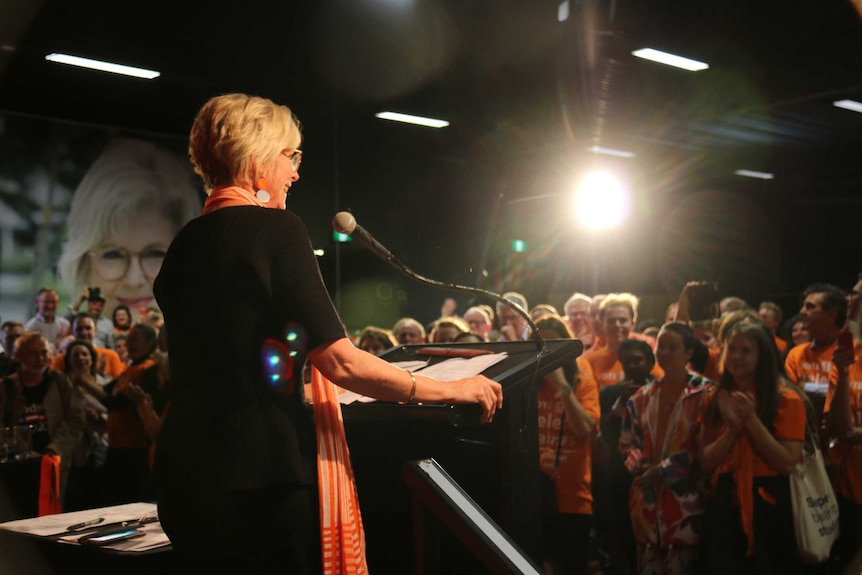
751, 439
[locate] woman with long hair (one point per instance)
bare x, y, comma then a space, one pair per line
751, 439
568, 409
86, 476
658, 444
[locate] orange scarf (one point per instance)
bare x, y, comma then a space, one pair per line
741, 459
742, 463
227, 196
49, 485
342, 538
133, 373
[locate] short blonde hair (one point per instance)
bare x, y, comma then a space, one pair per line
404, 322
481, 309
626, 300
448, 321
231, 129
384, 336
577, 296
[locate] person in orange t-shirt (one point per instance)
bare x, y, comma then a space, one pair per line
808, 365
568, 409
84, 328
617, 313
753, 428
843, 411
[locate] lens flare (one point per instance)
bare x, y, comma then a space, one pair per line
282, 357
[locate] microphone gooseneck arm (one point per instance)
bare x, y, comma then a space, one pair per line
345, 223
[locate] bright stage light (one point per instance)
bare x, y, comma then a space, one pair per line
601, 201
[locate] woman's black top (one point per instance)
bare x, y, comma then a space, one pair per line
240, 290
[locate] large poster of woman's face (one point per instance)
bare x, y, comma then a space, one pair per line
84, 207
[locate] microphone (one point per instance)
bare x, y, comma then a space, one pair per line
345, 223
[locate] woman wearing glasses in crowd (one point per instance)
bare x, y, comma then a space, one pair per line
241, 485
127, 208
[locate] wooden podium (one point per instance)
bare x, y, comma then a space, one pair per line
496, 464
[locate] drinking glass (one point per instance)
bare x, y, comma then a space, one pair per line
23, 437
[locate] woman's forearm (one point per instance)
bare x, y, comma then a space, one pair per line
351, 368
782, 456
577, 418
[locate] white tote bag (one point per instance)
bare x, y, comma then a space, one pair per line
815, 509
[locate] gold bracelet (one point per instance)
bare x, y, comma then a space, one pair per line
412, 391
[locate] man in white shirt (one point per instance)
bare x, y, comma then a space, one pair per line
46, 321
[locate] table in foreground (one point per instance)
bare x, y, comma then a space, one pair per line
45, 546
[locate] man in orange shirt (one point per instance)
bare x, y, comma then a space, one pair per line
618, 312
824, 312
84, 328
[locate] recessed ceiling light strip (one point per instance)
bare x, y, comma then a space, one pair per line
408, 119
103, 66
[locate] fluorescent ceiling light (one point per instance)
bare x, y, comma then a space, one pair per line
851, 105
103, 66
408, 119
670, 59
611, 152
754, 174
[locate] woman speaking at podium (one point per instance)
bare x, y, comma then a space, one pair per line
248, 477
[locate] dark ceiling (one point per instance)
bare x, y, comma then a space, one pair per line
525, 94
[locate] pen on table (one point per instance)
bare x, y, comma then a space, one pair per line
83, 524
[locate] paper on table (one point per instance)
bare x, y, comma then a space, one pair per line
348, 397
459, 367
412, 365
58, 523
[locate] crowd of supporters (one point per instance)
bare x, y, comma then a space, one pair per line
669, 443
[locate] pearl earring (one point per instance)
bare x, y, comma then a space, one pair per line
262, 195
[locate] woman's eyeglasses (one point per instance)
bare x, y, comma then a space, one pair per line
112, 264
295, 157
